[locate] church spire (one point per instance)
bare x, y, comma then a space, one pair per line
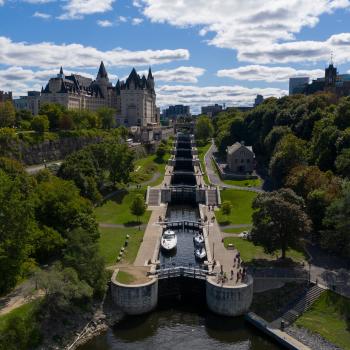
150, 76
102, 73
60, 74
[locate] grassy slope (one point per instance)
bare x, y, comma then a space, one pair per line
327, 317
201, 153
25, 311
242, 211
112, 240
124, 277
237, 230
116, 210
250, 252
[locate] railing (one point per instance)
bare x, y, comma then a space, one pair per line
191, 225
182, 271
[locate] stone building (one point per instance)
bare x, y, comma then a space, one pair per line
29, 102
240, 158
138, 101
134, 100
5, 96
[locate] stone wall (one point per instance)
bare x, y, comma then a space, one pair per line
134, 299
229, 300
53, 150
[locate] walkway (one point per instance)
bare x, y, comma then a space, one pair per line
215, 179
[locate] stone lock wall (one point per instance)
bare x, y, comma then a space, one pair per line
135, 299
229, 300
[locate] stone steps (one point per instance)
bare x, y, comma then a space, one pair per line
212, 198
154, 197
299, 306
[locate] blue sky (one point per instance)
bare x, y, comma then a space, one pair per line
218, 51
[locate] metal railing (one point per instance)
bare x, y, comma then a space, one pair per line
182, 271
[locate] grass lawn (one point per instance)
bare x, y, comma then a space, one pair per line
241, 212
146, 167
236, 230
250, 252
124, 277
244, 183
116, 210
25, 311
201, 153
329, 316
112, 240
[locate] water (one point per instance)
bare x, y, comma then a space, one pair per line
184, 253
181, 327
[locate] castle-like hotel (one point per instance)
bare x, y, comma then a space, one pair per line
134, 100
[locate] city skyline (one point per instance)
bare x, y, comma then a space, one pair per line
201, 53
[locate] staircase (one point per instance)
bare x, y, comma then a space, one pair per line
212, 198
154, 197
299, 306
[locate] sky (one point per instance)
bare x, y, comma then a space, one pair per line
201, 51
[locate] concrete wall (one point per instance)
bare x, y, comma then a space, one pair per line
135, 299
229, 300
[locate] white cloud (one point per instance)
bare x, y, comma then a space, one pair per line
2, 2
178, 75
50, 55
41, 15
122, 19
104, 23
269, 74
247, 26
38, 1
198, 96
136, 21
77, 9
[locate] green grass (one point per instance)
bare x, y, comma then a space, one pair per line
329, 316
146, 167
202, 150
112, 240
124, 277
244, 183
250, 252
116, 210
236, 230
241, 212
25, 311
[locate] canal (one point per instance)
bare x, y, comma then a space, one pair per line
184, 323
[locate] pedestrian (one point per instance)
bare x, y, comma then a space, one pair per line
231, 274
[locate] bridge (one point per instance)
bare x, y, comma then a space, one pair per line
182, 271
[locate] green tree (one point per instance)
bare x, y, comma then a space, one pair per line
66, 122
336, 237
279, 221
138, 206
204, 129
342, 115
16, 219
40, 124
226, 208
342, 163
54, 112
106, 117
121, 162
7, 114
161, 151
82, 254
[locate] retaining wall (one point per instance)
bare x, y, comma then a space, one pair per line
134, 299
229, 300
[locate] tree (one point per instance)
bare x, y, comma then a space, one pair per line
161, 151
121, 162
138, 206
342, 116
66, 122
342, 163
204, 129
226, 208
279, 221
82, 254
54, 112
16, 219
40, 124
7, 114
106, 117
336, 237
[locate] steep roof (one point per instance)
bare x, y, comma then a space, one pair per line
102, 73
237, 146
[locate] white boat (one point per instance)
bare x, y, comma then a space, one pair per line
168, 240
198, 239
200, 253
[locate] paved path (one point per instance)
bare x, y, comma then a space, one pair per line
33, 169
214, 178
224, 227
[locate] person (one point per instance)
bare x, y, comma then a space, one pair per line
231, 274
